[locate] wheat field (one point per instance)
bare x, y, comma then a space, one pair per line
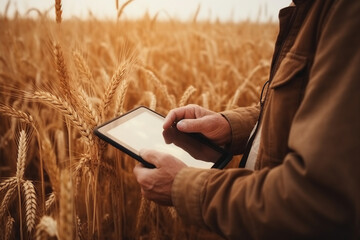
61, 78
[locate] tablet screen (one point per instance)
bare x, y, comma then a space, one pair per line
143, 128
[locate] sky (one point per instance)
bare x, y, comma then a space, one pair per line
224, 10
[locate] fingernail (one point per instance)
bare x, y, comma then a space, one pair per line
181, 124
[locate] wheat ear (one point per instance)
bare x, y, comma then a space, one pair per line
67, 110
8, 183
111, 88
185, 97
58, 11
121, 99
20, 166
20, 169
9, 227
63, 75
22, 116
79, 228
161, 86
61, 69
30, 204
89, 109
46, 229
152, 97
205, 100
82, 67
50, 202
6, 200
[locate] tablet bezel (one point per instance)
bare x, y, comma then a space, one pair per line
101, 132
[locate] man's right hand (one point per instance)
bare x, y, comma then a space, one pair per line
193, 118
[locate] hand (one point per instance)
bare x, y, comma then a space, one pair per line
156, 182
193, 118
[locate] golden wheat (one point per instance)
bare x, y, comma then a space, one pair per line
226, 63
82, 67
30, 204
9, 227
64, 107
21, 159
6, 200
161, 86
66, 217
58, 11
118, 76
8, 183
185, 97
119, 107
12, 112
152, 97
50, 202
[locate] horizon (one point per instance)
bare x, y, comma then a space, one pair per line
212, 10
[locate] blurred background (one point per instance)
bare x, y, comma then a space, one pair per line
225, 10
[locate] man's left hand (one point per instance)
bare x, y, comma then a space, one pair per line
156, 182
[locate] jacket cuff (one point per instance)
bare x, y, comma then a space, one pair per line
187, 194
242, 122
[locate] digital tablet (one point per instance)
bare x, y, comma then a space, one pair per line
142, 128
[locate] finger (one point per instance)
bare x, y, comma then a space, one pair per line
139, 170
177, 114
173, 116
151, 156
192, 125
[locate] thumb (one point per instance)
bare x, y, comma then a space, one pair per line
151, 156
191, 125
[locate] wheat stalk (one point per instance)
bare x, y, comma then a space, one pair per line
66, 219
87, 162
50, 164
120, 11
46, 229
143, 213
240, 90
30, 204
185, 97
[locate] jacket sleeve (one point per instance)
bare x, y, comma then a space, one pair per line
314, 193
242, 121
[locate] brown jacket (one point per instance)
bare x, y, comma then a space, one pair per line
307, 178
